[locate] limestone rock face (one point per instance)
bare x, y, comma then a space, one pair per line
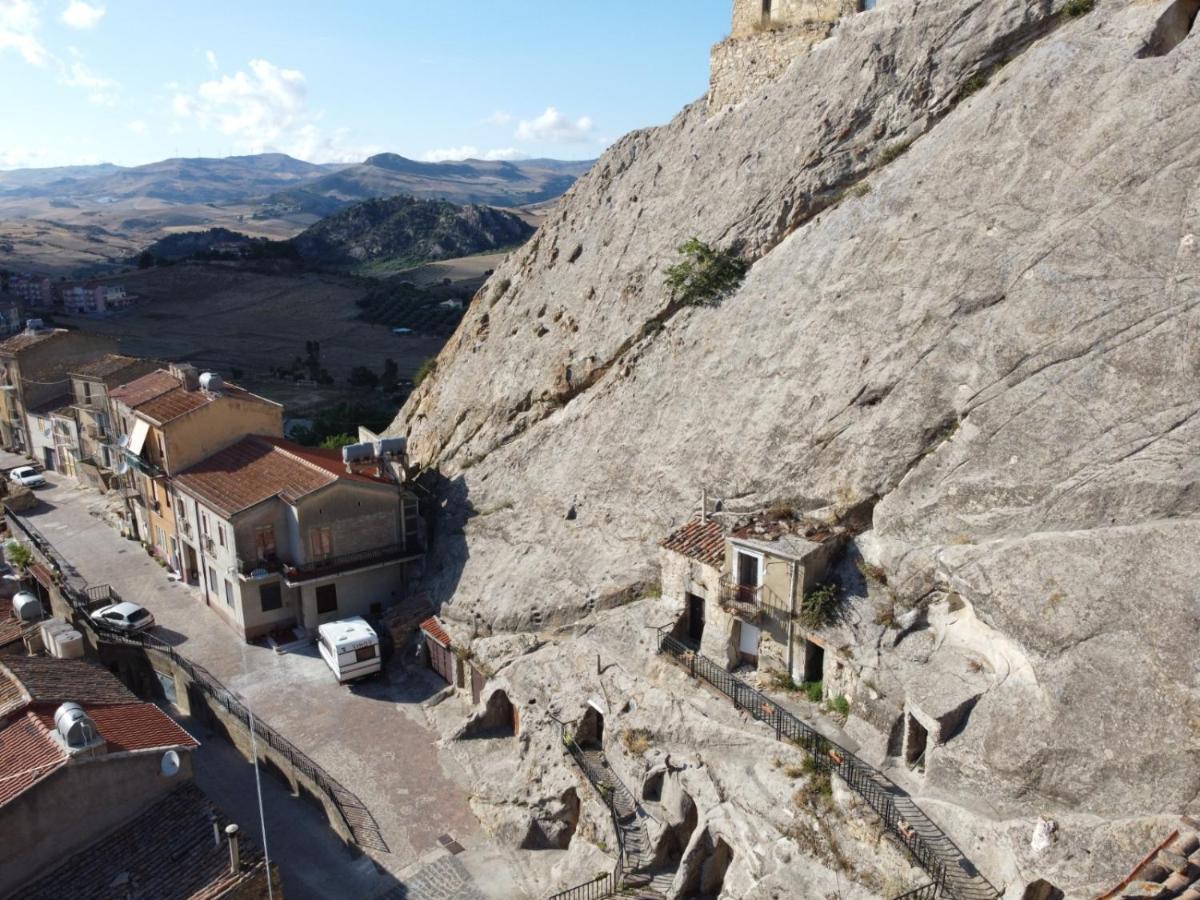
993, 329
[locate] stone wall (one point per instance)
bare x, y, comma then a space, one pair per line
742, 65
751, 16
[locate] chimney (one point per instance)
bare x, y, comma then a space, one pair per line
704, 504
187, 374
235, 859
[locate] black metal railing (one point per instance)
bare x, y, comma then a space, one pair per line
363, 828
951, 872
742, 600
271, 565
335, 565
609, 883
924, 892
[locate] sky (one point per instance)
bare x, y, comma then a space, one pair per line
135, 81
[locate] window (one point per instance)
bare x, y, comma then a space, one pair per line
326, 599
221, 533
362, 654
212, 580
204, 524
270, 596
87, 393
162, 538
264, 541
228, 594
321, 542
162, 447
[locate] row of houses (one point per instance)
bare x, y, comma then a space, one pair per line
37, 292
272, 535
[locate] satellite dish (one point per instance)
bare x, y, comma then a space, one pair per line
259, 574
170, 764
123, 442
122, 467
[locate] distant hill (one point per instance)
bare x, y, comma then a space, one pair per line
468, 182
378, 236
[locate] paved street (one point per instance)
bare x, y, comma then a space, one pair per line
373, 738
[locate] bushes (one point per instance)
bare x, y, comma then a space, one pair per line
636, 740
814, 690
704, 277
427, 368
820, 607
1076, 8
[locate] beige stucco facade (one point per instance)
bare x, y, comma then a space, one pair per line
35, 369
372, 534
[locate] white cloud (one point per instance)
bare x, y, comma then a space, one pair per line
212, 60
137, 126
100, 90
499, 117
469, 152
553, 127
23, 158
265, 109
82, 15
18, 24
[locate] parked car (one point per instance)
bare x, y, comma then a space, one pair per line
28, 476
127, 617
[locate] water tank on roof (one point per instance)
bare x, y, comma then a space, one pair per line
75, 726
353, 453
390, 447
27, 607
212, 382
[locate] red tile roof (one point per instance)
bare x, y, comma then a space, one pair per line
10, 628
258, 468
701, 541
27, 755
146, 388
104, 366
173, 404
26, 339
134, 726
433, 627
53, 681
167, 853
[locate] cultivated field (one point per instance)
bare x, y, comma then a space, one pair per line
222, 317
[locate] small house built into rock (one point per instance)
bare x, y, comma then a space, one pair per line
741, 582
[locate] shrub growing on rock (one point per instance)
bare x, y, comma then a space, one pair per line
705, 276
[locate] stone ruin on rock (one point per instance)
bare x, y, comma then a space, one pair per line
766, 36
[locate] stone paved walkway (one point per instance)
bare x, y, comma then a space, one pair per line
373, 738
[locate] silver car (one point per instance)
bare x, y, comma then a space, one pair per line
127, 617
28, 476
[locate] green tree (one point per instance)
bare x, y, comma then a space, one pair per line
338, 441
146, 260
391, 375
362, 377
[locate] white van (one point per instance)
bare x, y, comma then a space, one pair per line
350, 647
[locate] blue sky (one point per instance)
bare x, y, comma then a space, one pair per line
133, 81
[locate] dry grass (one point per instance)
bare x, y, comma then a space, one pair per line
636, 740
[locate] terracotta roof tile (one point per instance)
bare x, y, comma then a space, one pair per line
433, 627
167, 853
133, 726
52, 681
104, 366
13, 697
173, 404
1161, 874
701, 541
27, 755
10, 628
258, 468
146, 388
25, 340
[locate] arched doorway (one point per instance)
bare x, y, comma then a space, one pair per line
590, 733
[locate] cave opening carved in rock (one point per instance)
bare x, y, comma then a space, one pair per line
1172, 28
498, 719
703, 868
554, 829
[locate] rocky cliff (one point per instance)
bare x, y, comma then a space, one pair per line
972, 307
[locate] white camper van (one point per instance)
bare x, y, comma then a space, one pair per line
350, 647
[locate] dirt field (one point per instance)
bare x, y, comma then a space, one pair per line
219, 317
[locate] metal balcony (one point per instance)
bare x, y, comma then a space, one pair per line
741, 600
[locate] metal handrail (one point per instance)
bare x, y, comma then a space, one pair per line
359, 822
952, 873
